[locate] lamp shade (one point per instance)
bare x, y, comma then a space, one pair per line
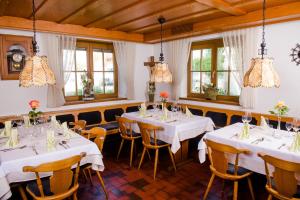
261, 74
161, 74
36, 72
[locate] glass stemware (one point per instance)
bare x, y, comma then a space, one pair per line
288, 126
296, 125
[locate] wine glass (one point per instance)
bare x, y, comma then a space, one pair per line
296, 124
288, 126
247, 117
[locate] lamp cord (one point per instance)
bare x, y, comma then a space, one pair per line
263, 44
34, 43
161, 57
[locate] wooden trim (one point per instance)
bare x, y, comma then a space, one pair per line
93, 101
18, 23
219, 101
223, 6
64, 19
276, 14
153, 14
90, 24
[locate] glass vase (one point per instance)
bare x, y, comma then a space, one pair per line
279, 122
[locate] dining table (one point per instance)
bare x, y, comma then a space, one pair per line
33, 150
273, 142
178, 128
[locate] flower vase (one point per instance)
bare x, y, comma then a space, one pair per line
279, 122
34, 121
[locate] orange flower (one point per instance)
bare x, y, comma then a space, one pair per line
164, 94
34, 104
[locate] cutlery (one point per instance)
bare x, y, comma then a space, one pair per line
172, 121
235, 135
65, 143
61, 144
35, 151
281, 146
10, 149
257, 140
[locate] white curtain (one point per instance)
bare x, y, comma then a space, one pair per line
125, 56
51, 46
67, 49
240, 47
177, 56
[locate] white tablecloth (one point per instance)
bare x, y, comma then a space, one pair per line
268, 146
174, 131
12, 162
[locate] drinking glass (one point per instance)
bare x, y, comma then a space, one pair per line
288, 126
296, 124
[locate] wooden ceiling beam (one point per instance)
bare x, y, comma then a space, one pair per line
18, 23
223, 6
38, 8
277, 14
63, 20
90, 24
153, 14
175, 20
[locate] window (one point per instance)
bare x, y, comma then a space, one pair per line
208, 64
98, 62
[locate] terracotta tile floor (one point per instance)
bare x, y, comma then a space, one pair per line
189, 182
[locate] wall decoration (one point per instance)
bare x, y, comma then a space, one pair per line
13, 51
296, 54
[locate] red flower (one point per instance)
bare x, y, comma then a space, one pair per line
164, 94
34, 104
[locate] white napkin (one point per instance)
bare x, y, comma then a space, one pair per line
50, 140
188, 112
26, 120
13, 140
54, 122
263, 123
7, 129
67, 132
143, 106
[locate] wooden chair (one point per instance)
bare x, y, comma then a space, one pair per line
220, 167
127, 133
150, 141
78, 126
98, 135
282, 184
62, 184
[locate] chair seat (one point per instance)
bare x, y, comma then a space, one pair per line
33, 187
158, 142
110, 126
134, 134
241, 170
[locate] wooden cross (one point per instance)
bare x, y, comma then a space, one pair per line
151, 64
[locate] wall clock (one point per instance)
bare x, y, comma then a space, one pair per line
296, 54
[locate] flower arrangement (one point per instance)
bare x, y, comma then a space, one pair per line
34, 113
85, 80
280, 109
164, 96
210, 91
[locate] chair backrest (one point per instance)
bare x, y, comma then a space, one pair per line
284, 178
149, 131
63, 182
217, 156
125, 125
96, 133
78, 125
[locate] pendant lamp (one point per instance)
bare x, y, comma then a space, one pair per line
261, 72
161, 72
36, 71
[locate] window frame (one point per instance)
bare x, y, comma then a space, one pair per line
213, 45
89, 45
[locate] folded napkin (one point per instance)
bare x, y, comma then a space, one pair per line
7, 129
143, 106
263, 123
50, 140
188, 112
26, 120
13, 140
67, 132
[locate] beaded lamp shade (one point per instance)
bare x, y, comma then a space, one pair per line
161, 74
261, 74
36, 72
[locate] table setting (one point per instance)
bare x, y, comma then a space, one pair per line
178, 125
31, 144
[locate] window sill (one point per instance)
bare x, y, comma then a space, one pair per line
211, 101
93, 101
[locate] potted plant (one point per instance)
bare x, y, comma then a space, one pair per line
210, 91
87, 93
34, 113
151, 91
280, 109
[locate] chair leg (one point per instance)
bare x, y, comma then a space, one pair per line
85, 176
251, 188
155, 163
235, 190
120, 148
211, 180
172, 158
90, 175
131, 152
75, 196
270, 197
22, 192
148, 154
223, 187
142, 158
102, 183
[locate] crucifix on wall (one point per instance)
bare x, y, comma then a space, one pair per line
151, 85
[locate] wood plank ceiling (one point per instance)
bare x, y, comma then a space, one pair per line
184, 17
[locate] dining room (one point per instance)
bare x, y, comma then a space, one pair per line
149, 99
